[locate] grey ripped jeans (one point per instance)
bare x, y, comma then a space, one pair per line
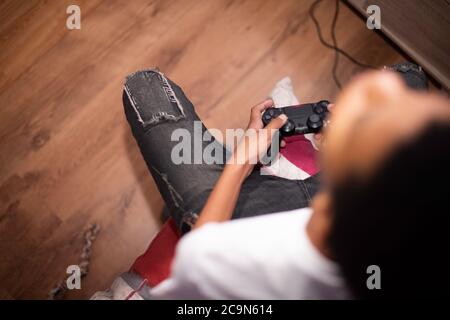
155, 107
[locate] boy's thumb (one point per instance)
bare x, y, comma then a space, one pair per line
277, 122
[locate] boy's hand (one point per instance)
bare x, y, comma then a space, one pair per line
257, 138
318, 137
255, 121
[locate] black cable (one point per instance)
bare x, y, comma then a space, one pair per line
336, 54
333, 46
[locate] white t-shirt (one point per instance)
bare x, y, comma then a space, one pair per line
265, 257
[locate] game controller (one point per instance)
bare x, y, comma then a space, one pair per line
302, 119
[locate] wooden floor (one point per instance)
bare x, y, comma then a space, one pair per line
67, 158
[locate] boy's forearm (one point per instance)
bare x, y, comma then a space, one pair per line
221, 202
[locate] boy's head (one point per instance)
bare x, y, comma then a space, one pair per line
386, 165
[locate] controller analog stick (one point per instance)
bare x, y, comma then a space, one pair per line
314, 122
288, 128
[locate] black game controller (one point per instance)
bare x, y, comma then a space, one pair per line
302, 119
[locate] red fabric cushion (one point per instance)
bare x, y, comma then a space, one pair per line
154, 264
301, 153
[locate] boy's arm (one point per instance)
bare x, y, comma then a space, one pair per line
221, 202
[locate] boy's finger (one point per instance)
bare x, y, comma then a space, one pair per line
274, 125
277, 123
259, 108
